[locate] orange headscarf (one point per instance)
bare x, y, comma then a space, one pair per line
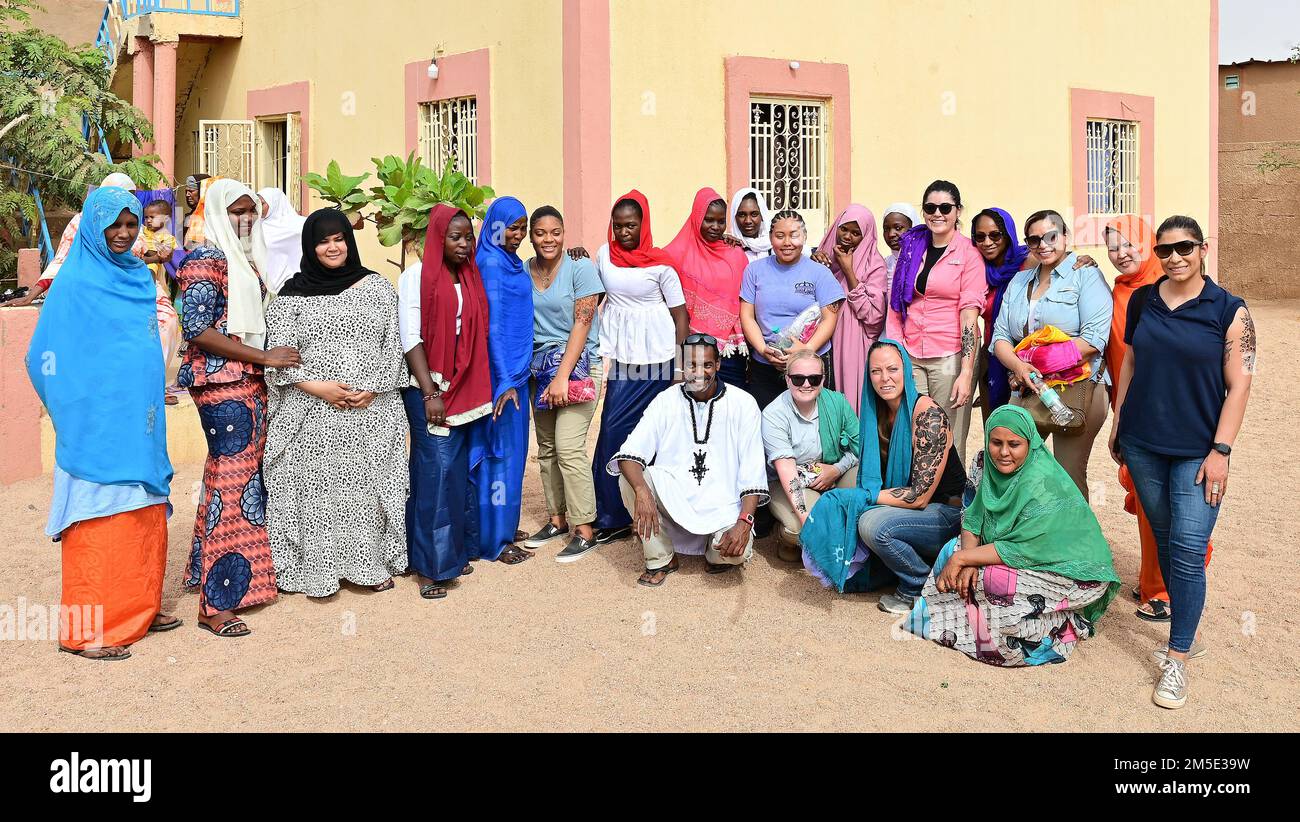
1137, 231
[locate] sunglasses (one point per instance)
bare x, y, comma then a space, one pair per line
700, 339
1049, 239
1184, 248
943, 208
811, 379
992, 236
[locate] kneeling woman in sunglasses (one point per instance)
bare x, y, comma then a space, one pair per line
810, 437
1077, 302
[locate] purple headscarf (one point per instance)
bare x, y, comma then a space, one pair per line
998, 278
911, 256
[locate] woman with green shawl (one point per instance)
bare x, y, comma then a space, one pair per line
1032, 574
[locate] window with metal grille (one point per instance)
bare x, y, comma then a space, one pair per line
1232, 81
449, 131
788, 149
1112, 167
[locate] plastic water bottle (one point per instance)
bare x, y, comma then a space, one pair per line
779, 341
1062, 414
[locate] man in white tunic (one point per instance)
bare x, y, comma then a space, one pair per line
692, 470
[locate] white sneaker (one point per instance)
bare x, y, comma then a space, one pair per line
1171, 690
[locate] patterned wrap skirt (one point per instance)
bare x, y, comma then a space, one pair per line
230, 557
1018, 618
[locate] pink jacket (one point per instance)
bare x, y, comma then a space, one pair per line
955, 283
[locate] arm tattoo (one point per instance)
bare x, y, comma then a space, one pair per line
967, 341
835, 307
584, 309
1247, 341
796, 494
931, 433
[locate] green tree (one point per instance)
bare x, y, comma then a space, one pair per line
46, 89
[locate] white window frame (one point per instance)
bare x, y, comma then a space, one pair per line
439, 141
1113, 151
227, 148
770, 161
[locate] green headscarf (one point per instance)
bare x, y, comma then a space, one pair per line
837, 425
1036, 518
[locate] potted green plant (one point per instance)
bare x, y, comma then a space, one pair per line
343, 191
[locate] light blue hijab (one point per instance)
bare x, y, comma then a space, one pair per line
96, 361
831, 550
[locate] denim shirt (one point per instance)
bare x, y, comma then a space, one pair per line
1076, 301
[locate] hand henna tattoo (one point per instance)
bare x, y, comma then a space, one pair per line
584, 309
1247, 341
931, 432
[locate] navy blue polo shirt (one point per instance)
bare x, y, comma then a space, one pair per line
1177, 392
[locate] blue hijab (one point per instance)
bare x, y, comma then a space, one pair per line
998, 277
510, 298
831, 551
95, 359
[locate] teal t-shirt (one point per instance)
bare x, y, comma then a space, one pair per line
553, 308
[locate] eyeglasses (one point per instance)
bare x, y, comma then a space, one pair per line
943, 208
1184, 248
700, 339
1049, 239
992, 236
811, 379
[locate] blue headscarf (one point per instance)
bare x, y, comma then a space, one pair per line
510, 298
998, 277
830, 536
95, 359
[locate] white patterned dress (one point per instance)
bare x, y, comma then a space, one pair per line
337, 480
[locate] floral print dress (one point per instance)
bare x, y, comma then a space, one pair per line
230, 559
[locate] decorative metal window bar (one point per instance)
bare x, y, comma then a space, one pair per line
788, 153
449, 131
1112, 167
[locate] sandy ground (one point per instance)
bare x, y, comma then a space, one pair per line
581, 646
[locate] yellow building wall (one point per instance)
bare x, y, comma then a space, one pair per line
344, 47
1004, 68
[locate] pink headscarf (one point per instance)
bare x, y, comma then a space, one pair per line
710, 275
866, 257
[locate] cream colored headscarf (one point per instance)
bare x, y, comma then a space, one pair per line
246, 317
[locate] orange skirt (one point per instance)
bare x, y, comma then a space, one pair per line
113, 569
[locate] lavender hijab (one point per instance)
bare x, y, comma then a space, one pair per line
911, 256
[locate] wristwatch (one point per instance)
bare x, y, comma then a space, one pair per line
1223, 448
748, 519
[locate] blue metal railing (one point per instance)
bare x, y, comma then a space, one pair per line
219, 8
46, 246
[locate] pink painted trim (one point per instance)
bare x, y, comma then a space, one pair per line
746, 76
20, 408
459, 75
287, 99
1214, 141
164, 107
588, 162
1085, 103
142, 88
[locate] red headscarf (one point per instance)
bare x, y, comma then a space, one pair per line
710, 275
462, 360
645, 254
1137, 231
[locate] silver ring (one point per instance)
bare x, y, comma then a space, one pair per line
1214, 489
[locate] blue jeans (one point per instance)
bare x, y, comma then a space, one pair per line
908, 541
1182, 522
